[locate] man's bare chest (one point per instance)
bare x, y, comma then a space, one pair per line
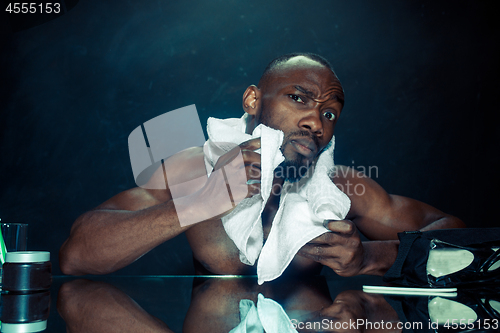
218, 254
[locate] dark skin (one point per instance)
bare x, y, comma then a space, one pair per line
215, 305
304, 100
91, 306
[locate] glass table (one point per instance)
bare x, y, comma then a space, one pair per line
226, 303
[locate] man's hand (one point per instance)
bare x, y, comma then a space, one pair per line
235, 176
341, 249
242, 172
343, 314
352, 310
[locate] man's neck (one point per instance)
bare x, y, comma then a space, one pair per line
252, 123
272, 205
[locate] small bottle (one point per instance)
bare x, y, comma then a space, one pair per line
27, 271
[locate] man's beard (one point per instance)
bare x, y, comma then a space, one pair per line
291, 170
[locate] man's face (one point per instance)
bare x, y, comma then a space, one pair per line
302, 98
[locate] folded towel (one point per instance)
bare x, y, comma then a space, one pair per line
302, 209
268, 316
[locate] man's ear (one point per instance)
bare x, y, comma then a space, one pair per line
251, 100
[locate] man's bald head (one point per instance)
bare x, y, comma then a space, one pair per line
292, 61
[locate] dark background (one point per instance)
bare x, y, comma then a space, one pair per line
421, 83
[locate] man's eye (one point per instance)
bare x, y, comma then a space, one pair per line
329, 115
296, 98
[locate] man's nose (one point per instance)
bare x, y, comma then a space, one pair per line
312, 121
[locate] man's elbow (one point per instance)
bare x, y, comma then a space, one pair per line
457, 223
445, 222
69, 260
452, 222
75, 260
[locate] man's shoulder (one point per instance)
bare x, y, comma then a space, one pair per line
343, 173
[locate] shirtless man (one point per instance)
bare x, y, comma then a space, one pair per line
301, 96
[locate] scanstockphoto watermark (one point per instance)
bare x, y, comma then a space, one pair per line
347, 179
346, 171
370, 171
358, 324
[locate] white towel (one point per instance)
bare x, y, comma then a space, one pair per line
268, 316
302, 209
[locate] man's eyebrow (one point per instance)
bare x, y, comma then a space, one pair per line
304, 91
312, 95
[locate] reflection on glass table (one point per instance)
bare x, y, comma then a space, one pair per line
239, 304
226, 304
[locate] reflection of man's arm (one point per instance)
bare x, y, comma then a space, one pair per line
89, 306
379, 216
128, 225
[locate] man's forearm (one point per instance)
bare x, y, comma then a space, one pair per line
103, 241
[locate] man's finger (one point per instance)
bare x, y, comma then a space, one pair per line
341, 232
318, 251
318, 254
251, 158
343, 227
328, 238
252, 144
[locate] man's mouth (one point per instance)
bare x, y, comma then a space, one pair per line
305, 147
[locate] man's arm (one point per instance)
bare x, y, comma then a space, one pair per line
379, 216
130, 224
114, 235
